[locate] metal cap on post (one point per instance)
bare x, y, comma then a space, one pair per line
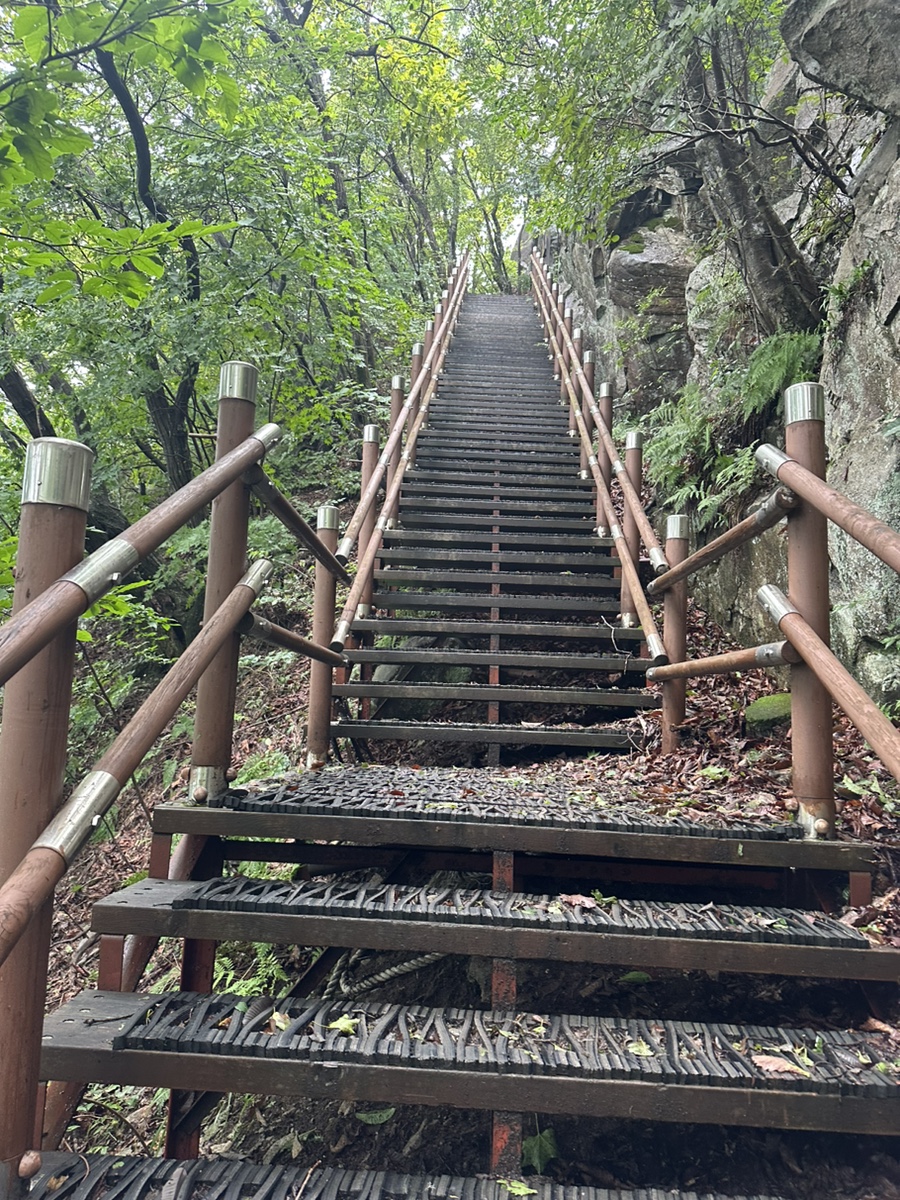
33, 744
634, 440
318, 734
238, 381
804, 402
57, 471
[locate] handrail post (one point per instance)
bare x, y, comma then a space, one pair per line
605, 407
397, 399
368, 465
33, 739
566, 362
419, 352
674, 634
588, 367
217, 687
812, 745
318, 730
634, 466
426, 345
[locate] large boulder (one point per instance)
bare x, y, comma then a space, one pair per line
852, 46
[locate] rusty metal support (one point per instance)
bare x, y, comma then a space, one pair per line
772, 654
55, 499
837, 683
369, 465
426, 347
318, 735
214, 722
674, 634
397, 398
279, 505
634, 465
773, 509
506, 1127
811, 720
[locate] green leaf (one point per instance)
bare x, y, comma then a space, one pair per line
31, 26
540, 1150
516, 1187
345, 1024
35, 155
379, 1117
640, 1049
635, 977
62, 287
149, 265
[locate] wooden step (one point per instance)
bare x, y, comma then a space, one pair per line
508, 539
534, 1062
548, 581
414, 486
537, 505
402, 601
503, 659
504, 693
540, 527
595, 634
482, 734
585, 564
672, 936
126, 1177
471, 809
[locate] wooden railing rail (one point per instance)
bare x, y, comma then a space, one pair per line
566, 358
772, 510
34, 626
419, 385
655, 646
366, 562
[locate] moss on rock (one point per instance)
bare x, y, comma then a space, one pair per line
768, 712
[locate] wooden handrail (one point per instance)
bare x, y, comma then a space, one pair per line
366, 564
36, 625
32, 883
632, 500
769, 513
417, 387
861, 525
843, 688
772, 654
280, 507
655, 645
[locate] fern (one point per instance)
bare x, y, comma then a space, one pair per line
779, 361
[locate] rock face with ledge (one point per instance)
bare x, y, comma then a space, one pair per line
852, 46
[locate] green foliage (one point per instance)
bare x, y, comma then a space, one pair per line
540, 1150
254, 971
700, 454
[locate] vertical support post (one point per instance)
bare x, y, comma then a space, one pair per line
506, 1127
415, 370
318, 734
429, 338
567, 362
605, 407
588, 368
216, 689
674, 633
811, 709
634, 467
33, 738
397, 399
369, 463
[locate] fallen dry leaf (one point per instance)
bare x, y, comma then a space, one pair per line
777, 1066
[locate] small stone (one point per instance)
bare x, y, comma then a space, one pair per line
29, 1164
201, 794
231, 774
821, 826
767, 713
